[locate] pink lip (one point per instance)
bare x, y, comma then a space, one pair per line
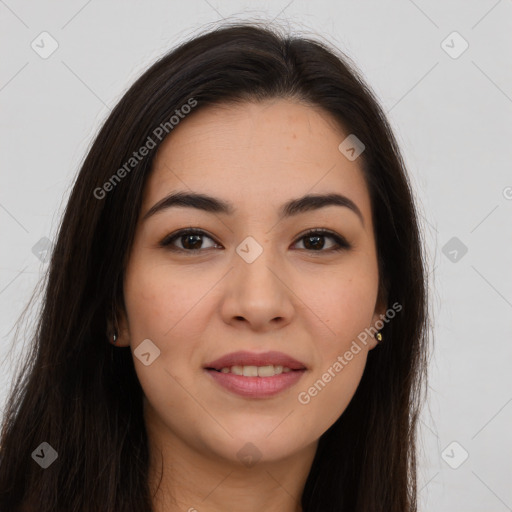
256, 387
244, 358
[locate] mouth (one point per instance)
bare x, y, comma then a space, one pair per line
254, 375
253, 364
249, 385
256, 371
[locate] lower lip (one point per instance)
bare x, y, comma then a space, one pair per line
256, 387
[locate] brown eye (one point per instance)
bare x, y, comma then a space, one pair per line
314, 240
191, 240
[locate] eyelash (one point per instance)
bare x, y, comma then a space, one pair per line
342, 244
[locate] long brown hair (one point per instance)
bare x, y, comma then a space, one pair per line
81, 395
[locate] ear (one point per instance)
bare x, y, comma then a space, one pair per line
123, 332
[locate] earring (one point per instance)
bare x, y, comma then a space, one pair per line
114, 335
379, 337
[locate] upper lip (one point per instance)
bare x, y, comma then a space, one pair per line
244, 358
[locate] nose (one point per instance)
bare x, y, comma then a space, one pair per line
257, 295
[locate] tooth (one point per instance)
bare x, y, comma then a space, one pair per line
250, 371
266, 371
237, 370
255, 371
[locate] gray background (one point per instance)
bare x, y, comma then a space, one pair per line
451, 117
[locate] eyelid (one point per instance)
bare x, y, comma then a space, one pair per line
168, 239
341, 241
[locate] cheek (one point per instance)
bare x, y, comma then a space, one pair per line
160, 307
160, 298
324, 397
345, 304
344, 300
168, 306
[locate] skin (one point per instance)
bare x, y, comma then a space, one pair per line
309, 303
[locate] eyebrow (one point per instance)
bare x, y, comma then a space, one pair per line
211, 204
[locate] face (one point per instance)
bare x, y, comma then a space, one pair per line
251, 279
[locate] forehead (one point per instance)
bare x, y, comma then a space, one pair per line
257, 156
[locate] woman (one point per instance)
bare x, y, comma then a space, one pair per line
236, 308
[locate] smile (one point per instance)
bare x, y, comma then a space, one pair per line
254, 381
256, 371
